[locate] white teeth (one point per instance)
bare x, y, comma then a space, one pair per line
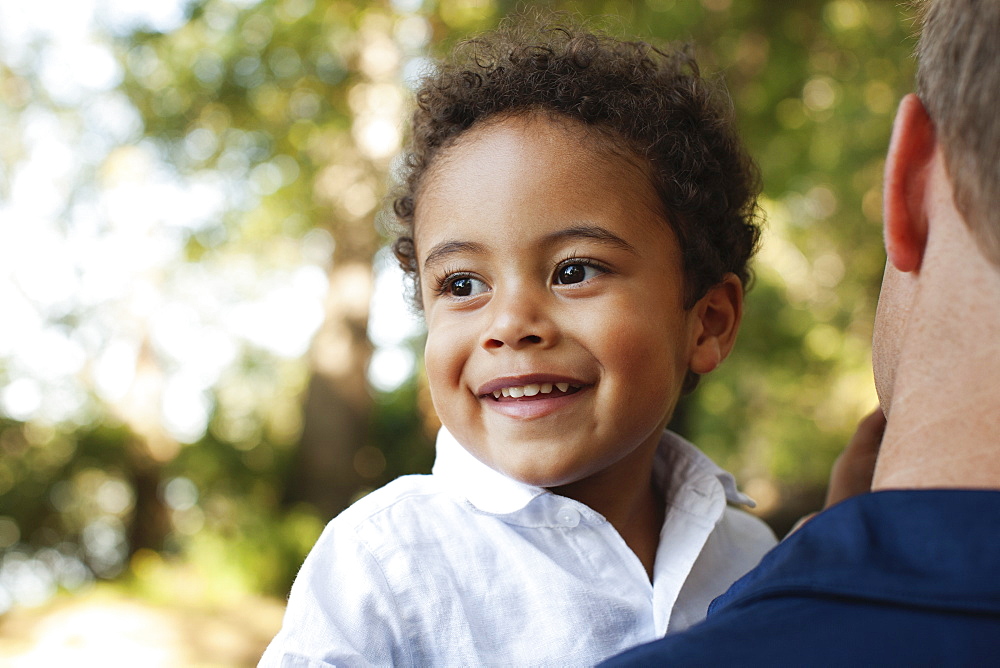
532, 389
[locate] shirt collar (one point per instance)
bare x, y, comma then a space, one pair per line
678, 463
488, 490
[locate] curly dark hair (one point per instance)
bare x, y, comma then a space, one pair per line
635, 97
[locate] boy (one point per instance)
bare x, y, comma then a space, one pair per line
577, 215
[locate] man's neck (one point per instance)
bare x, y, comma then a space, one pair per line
946, 431
944, 417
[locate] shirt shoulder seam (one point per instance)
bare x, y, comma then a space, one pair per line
364, 515
388, 586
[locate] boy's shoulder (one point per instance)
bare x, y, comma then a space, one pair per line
404, 491
417, 505
414, 514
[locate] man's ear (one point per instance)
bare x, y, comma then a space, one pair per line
910, 153
717, 320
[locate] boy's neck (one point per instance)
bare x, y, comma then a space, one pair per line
635, 511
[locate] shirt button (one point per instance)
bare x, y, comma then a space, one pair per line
568, 516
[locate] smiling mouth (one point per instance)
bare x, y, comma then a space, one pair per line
534, 391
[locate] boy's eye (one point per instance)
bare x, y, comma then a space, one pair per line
576, 272
464, 286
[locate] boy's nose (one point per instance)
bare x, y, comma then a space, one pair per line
518, 321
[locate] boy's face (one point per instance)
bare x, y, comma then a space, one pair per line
546, 275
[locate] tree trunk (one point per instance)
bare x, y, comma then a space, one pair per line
337, 406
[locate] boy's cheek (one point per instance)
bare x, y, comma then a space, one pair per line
445, 354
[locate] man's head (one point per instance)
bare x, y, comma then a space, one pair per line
958, 80
943, 174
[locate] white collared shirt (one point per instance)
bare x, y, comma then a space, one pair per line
467, 567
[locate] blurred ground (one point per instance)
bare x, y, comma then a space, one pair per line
110, 629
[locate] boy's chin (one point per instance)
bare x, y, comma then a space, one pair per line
545, 474
544, 479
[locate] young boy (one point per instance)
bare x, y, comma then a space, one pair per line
577, 216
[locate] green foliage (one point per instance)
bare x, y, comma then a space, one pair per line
56, 484
263, 94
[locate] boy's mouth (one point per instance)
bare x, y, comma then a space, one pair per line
533, 390
532, 396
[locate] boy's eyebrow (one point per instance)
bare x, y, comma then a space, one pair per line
442, 250
594, 233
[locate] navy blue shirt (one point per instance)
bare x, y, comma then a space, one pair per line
898, 578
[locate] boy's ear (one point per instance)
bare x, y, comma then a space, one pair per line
717, 320
910, 153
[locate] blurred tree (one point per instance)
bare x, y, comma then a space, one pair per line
302, 100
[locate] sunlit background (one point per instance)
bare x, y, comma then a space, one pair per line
204, 348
